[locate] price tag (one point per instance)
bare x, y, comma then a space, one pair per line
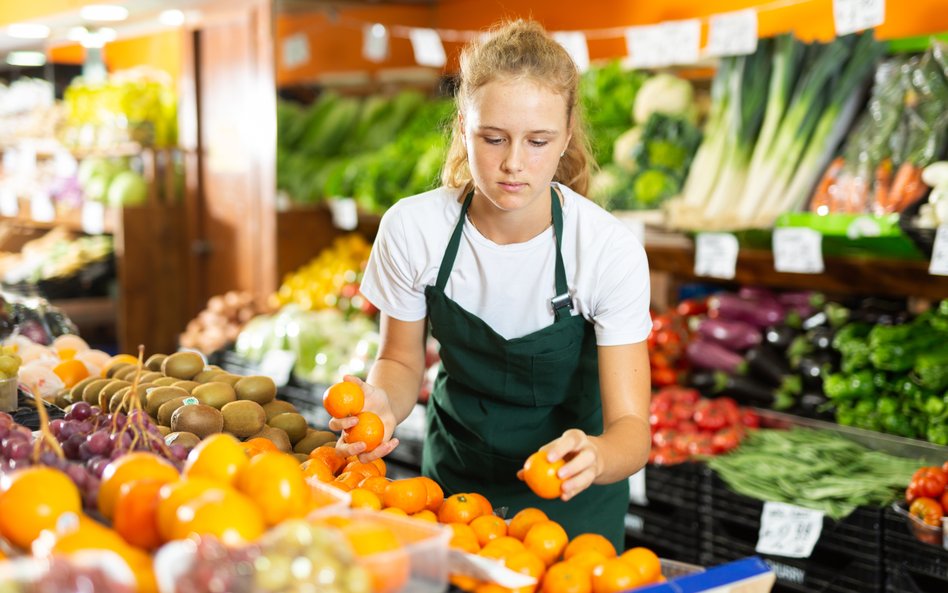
798, 251
429, 51
575, 44
9, 205
637, 488
646, 46
716, 255
93, 218
296, 50
41, 207
939, 262
345, 213
682, 41
277, 364
375, 42
851, 16
732, 33
788, 530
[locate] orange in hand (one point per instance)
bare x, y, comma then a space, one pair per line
540, 475
343, 399
369, 430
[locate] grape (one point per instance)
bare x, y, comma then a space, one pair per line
121, 440
99, 442
85, 453
77, 474
14, 464
4, 431
51, 459
68, 428
71, 446
139, 417
84, 427
97, 465
18, 449
116, 453
79, 411
55, 426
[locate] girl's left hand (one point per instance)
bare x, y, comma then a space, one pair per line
583, 462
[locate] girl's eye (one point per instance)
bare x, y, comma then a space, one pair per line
492, 140
539, 143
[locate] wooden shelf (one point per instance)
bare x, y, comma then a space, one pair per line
70, 219
89, 311
844, 275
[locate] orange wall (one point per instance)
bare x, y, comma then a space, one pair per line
161, 51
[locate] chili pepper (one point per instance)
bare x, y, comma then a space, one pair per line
898, 425
844, 387
887, 405
845, 414
927, 510
934, 406
937, 434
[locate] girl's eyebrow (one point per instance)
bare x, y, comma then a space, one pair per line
496, 129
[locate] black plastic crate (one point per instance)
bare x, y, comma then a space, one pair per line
669, 523
912, 566
846, 559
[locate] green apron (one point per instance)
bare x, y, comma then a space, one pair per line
496, 401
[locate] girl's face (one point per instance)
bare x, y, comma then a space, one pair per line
514, 131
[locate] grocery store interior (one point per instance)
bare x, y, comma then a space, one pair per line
190, 193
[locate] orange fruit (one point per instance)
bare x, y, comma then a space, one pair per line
486, 506
588, 559
546, 539
463, 582
409, 494
32, 499
71, 372
380, 464
119, 358
395, 511
258, 445
646, 561
565, 577
218, 457
369, 430
330, 456
506, 545
615, 575
366, 470
426, 515
136, 513
459, 508
224, 513
434, 495
488, 527
376, 484
131, 466
275, 483
589, 541
540, 475
340, 485
463, 538
174, 494
364, 499
524, 520
318, 469
380, 552
343, 399
350, 479
526, 562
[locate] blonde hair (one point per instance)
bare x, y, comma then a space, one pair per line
521, 49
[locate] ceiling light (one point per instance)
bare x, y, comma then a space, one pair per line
28, 31
171, 18
103, 13
77, 34
26, 58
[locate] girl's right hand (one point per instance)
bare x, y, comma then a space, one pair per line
376, 400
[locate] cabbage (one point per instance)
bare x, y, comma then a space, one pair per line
664, 93
626, 147
128, 188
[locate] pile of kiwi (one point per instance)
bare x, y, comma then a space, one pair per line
189, 401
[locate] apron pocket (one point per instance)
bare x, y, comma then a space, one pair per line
554, 375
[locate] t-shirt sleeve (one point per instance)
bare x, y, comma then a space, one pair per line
621, 313
389, 279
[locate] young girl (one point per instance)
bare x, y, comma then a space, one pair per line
538, 298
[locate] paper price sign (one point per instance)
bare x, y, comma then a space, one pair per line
716, 255
574, 42
41, 207
939, 262
345, 213
277, 364
427, 46
646, 46
788, 530
637, 488
798, 251
851, 16
9, 205
732, 33
682, 41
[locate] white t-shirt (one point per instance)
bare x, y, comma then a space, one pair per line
509, 287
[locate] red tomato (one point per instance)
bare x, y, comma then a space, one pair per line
709, 416
687, 427
662, 376
726, 439
749, 418
682, 411
663, 437
928, 510
929, 481
666, 456
662, 419
944, 500
692, 307
732, 411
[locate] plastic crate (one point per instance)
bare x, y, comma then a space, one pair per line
669, 523
912, 566
846, 559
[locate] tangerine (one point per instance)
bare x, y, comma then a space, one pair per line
459, 508
589, 559
395, 511
174, 494
615, 575
524, 520
546, 539
434, 495
369, 430
486, 506
258, 445
506, 545
364, 499
32, 499
380, 553
366, 470
275, 483
565, 577
224, 513
646, 561
71, 371
343, 399
218, 457
426, 515
330, 456
349, 479
408, 494
463, 538
380, 464
541, 476
318, 469
589, 541
526, 562
136, 513
488, 527
131, 466
376, 484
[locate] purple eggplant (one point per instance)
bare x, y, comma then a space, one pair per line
706, 354
803, 298
732, 334
757, 293
760, 313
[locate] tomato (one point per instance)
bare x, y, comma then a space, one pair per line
659, 404
663, 376
662, 419
944, 500
701, 444
944, 467
710, 416
661, 323
664, 437
682, 411
750, 418
667, 456
929, 482
732, 412
687, 427
692, 307
928, 510
726, 439
685, 395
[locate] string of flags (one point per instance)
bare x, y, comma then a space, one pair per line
648, 46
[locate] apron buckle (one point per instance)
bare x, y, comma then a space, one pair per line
562, 301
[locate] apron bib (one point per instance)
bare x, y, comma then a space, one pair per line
496, 401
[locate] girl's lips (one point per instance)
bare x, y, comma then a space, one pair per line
513, 186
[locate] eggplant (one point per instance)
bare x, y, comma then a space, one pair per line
814, 405
821, 338
815, 366
802, 298
767, 364
780, 336
705, 354
757, 293
732, 334
760, 313
745, 390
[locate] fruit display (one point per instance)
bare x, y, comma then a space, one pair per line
57, 255
110, 180
28, 109
220, 322
671, 332
59, 574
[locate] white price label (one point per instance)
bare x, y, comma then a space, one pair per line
345, 213
732, 33
427, 46
575, 44
682, 40
851, 16
798, 251
9, 205
673, 42
277, 364
716, 255
93, 218
41, 207
939, 262
375, 42
296, 50
637, 488
788, 530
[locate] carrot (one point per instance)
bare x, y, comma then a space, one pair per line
883, 185
906, 188
821, 201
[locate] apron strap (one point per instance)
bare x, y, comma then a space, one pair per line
451, 252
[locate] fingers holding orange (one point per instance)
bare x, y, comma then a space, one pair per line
541, 475
343, 399
369, 430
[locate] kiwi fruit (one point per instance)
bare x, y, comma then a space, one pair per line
293, 424
63, 398
182, 365
127, 374
165, 381
256, 388
278, 406
243, 418
187, 440
115, 368
90, 394
115, 402
214, 394
75, 394
200, 419
314, 438
106, 393
163, 430
148, 377
276, 436
154, 362
207, 375
228, 378
186, 385
159, 395
166, 409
